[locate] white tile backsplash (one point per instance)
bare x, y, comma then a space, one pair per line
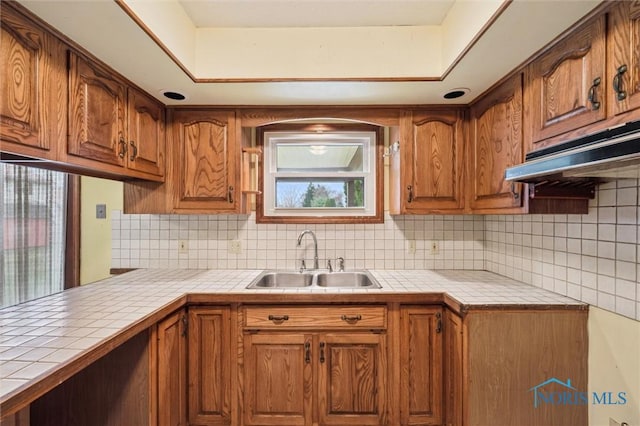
592, 257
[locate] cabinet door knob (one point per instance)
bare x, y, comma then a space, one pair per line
322, 352
617, 83
595, 105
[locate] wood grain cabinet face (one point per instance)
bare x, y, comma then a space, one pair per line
97, 102
421, 380
209, 366
171, 370
623, 48
146, 133
31, 87
453, 368
567, 86
206, 161
352, 379
496, 143
302, 375
431, 167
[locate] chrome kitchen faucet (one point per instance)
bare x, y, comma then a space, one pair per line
315, 246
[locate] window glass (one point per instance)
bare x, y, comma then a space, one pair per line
33, 231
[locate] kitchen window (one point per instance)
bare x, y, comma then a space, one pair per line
39, 248
320, 173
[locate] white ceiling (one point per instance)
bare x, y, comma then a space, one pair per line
262, 52
315, 13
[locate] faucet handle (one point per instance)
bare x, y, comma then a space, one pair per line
340, 264
329, 267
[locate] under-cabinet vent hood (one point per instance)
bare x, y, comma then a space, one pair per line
610, 154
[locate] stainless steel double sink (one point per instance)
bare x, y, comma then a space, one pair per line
306, 279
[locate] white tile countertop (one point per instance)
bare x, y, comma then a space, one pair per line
41, 336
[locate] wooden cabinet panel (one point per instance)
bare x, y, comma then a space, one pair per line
209, 366
316, 316
277, 379
32, 87
206, 162
623, 47
421, 365
431, 167
567, 83
352, 379
171, 370
453, 369
146, 131
496, 143
96, 113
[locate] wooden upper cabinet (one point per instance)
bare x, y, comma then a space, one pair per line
421, 380
171, 370
623, 65
352, 379
146, 131
567, 84
495, 144
97, 102
32, 87
209, 366
206, 162
430, 165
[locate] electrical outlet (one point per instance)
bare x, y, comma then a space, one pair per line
183, 247
411, 246
435, 248
235, 247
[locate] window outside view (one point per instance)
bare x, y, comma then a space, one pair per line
32, 231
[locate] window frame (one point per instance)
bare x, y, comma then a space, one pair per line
377, 163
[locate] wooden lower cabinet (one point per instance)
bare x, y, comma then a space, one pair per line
453, 368
210, 366
171, 367
420, 365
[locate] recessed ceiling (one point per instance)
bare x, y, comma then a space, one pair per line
311, 52
315, 13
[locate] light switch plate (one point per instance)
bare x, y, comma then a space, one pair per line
101, 211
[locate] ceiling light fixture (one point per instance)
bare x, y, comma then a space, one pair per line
456, 93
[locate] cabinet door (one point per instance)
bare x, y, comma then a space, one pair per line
277, 379
145, 127
432, 145
567, 83
206, 162
421, 366
96, 113
496, 143
352, 379
31, 87
209, 366
453, 366
624, 56
171, 370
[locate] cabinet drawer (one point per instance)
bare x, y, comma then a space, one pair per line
316, 316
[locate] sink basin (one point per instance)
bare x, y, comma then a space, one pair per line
274, 279
346, 279
286, 279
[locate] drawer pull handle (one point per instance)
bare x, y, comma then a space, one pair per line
351, 319
278, 318
621, 94
410, 189
123, 147
134, 151
307, 352
595, 105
